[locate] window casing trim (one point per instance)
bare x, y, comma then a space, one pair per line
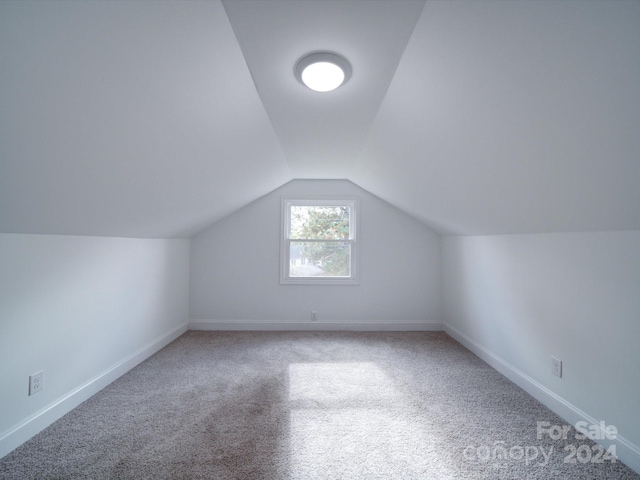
286, 203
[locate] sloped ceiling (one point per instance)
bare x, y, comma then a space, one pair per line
155, 119
134, 119
513, 117
322, 134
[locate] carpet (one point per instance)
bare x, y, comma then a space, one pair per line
311, 405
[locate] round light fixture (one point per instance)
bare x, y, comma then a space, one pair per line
323, 71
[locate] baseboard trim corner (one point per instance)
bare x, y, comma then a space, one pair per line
16, 436
255, 325
627, 452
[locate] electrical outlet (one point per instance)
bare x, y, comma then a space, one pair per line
556, 367
36, 382
314, 315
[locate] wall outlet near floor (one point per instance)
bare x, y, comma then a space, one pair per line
36, 382
314, 315
556, 366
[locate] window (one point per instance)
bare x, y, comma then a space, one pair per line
319, 241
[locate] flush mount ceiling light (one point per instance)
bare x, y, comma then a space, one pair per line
323, 71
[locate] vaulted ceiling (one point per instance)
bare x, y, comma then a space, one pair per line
156, 119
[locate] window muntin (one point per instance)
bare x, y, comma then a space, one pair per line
319, 241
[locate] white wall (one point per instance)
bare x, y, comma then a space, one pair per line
84, 310
517, 300
235, 270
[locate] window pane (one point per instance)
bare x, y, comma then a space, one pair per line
319, 222
320, 259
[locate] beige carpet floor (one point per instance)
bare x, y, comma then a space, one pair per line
294, 405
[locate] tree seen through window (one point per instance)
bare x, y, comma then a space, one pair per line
320, 241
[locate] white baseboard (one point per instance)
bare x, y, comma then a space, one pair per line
34, 424
254, 325
627, 452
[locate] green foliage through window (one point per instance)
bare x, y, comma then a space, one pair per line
318, 246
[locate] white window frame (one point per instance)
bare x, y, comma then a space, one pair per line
287, 202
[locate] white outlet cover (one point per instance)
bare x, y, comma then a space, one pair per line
36, 382
556, 366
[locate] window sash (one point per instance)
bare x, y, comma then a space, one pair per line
340, 221
350, 203
346, 242
285, 260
